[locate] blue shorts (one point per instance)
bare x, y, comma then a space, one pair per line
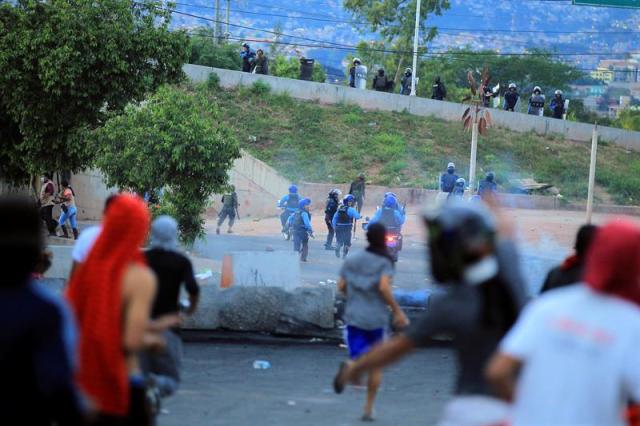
361, 341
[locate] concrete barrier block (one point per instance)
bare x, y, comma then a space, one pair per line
208, 312
308, 307
250, 308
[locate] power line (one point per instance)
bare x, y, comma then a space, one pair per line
352, 47
443, 29
432, 55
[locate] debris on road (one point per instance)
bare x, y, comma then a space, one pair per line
261, 365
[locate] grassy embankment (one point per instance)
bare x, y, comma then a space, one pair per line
321, 143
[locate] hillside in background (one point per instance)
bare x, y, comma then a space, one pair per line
306, 141
508, 26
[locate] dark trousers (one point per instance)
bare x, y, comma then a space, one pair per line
343, 237
301, 244
46, 213
330, 231
226, 213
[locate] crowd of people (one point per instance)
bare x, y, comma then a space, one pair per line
108, 351
111, 349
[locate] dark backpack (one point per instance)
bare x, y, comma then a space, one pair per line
293, 201
343, 216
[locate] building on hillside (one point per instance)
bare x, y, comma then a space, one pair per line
611, 70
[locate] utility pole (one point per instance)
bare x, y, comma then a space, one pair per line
217, 32
415, 50
592, 172
474, 152
228, 33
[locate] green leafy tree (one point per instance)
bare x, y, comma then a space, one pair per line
536, 68
394, 20
203, 51
65, 65
629, 119
175, 141
281, 66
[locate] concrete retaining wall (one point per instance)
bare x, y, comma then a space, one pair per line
370, 99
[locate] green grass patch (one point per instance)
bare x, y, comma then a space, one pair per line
333, 144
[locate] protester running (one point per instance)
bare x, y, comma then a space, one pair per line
173, 270
365, 278
111, 296
483, 293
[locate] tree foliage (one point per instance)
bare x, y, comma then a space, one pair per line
537, 68
203, 51
281, 66
64, 64
395, 21
629, 119
175, 141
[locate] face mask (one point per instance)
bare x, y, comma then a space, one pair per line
481, 271
450, 171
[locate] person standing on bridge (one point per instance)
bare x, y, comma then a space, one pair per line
300, 223
366, 278
476, 262
357, 189
448, 179
248, 57
343, 224
229, 209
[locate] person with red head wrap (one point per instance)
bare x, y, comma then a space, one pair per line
575, 348
111, 295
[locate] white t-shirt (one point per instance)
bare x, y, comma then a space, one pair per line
84, 243
580, 355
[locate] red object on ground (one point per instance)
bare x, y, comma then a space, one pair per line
95, 294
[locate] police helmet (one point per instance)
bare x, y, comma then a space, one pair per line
459, 234
408, 70
490, 176
335, 192
293, 189
451, 166
348, 199
390, 202
460, 182
512, 86
357, 60
537, 89
558, 92
304, 202
245, 44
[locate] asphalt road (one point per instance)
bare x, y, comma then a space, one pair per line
221, 387
411, 271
